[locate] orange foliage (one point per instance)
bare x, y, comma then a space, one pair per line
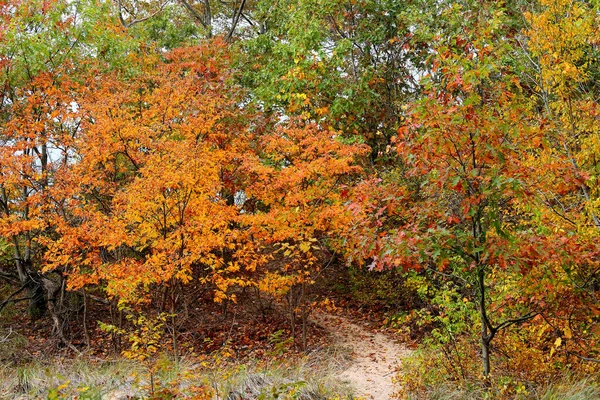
176, 180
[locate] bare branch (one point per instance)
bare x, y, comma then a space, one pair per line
583, 358
9, 277
9, 298
194, 13
137, 21
5, 338
236, 19
97, 299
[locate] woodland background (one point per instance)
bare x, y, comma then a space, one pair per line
172, 169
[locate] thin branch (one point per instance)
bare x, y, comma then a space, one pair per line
193, 13
236, 19
97, 299
582, 357
8, 299
137, 21
451, 276
248, 20
9, 277
524, 318
5, 338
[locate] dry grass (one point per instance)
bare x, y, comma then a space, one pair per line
579, 390
309, 378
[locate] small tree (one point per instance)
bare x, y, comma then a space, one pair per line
451, 208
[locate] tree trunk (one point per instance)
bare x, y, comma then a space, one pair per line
37, 298
485, 334
86, 334
485, 349
292, 314
304, 316
174, 316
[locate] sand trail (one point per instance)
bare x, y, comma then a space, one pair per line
375, 357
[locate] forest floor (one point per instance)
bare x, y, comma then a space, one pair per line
375, 358
262, 355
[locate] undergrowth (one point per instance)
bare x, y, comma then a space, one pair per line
529, 361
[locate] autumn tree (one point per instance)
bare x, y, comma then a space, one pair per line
300, 178
349, 65
151, 197
176, 182
495, 188
44, 48
450, 208
560, 50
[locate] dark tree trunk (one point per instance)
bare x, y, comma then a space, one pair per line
37, 298
35, 290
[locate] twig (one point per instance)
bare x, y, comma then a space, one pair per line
95, 298
10, 331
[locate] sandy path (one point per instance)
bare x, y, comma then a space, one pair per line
375, 357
